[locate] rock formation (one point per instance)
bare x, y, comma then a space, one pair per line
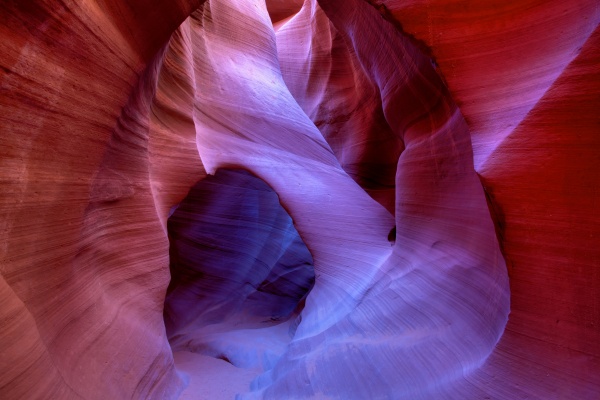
346, 199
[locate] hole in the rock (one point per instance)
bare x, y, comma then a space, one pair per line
224, 358
392, 235
239, 271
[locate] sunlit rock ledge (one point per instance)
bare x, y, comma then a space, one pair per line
342, 199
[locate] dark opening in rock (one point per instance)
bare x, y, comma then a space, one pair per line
237, 262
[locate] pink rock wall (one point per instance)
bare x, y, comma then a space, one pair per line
472, 129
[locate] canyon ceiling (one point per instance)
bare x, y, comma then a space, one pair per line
341, 199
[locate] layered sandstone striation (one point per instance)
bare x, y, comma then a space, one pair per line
404, 200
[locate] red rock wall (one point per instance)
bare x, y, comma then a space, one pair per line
83, 250
361, 117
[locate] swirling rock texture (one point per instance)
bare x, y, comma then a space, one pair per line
404, 201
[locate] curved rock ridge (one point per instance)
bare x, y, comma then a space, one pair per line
498, 58
84, 255
436, 159
328, 82
246, 117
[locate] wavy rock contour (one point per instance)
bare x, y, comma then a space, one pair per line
434, 162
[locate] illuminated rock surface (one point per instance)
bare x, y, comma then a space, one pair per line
439, 161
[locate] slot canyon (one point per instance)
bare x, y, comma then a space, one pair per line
300, 199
